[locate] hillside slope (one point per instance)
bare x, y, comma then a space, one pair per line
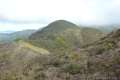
64, 34
98, 61
16, 59
91, 35
104, 57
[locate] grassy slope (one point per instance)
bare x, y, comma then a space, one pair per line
36, 49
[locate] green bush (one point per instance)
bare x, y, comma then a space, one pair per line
17, 39
72, 68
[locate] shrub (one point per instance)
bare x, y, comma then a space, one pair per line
72, 68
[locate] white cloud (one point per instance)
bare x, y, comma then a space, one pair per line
19, 27
32, 9
46, 11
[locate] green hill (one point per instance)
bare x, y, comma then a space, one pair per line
62, 34
57, 35
10, 37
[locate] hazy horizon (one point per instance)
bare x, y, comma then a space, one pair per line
16, 15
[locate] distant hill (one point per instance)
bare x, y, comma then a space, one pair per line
8, 37
59, 34
108, 28
4, 37
64, 34
7, 32
21, 34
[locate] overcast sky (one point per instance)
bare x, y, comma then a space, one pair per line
34, 14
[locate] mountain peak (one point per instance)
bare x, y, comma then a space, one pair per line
62, 23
